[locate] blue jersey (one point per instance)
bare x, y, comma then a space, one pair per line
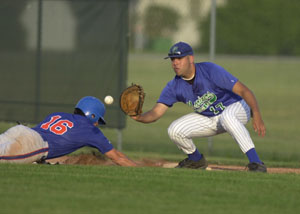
66, 133
209, 94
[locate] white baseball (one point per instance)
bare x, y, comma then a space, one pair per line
108, 100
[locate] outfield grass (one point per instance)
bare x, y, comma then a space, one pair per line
98, 189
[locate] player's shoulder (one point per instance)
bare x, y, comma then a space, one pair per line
171, 86
69, 116
60, 114
174, 82
206, 65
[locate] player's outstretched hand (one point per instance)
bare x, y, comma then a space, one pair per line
258, 125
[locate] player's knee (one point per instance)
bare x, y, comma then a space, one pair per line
171, 131
174, 132
226, 120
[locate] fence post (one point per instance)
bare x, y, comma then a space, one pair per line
38, 59
212, 48
119, 139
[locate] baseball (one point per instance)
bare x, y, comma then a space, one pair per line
108, 100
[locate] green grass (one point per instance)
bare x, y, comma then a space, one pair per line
98, 189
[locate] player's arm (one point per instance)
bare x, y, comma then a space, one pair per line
154, 114
242, 90
119, 158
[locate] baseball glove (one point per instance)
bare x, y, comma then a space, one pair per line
132, 100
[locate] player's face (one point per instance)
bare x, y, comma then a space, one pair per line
182, 65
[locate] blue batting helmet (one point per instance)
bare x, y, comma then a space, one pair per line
93, 109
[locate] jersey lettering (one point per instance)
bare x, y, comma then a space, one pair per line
214, 108
204, 102
215, 111
221, 106
58, 127
46, 126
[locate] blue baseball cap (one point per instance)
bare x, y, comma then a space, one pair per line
180, 49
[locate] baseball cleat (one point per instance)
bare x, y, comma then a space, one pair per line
257, 167
190, 164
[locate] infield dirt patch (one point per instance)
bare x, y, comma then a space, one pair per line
94, 159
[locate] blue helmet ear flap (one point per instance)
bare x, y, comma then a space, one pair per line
92, 108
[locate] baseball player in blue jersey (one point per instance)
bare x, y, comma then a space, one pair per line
60, 134
221, 103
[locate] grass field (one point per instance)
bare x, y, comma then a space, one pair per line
95, 189
102, 189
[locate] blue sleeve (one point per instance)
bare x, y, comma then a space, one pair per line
99, 141
222, 78
168, 96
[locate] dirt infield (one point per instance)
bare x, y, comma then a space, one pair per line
94, 159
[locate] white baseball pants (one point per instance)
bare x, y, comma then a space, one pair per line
231, 120
21, 144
